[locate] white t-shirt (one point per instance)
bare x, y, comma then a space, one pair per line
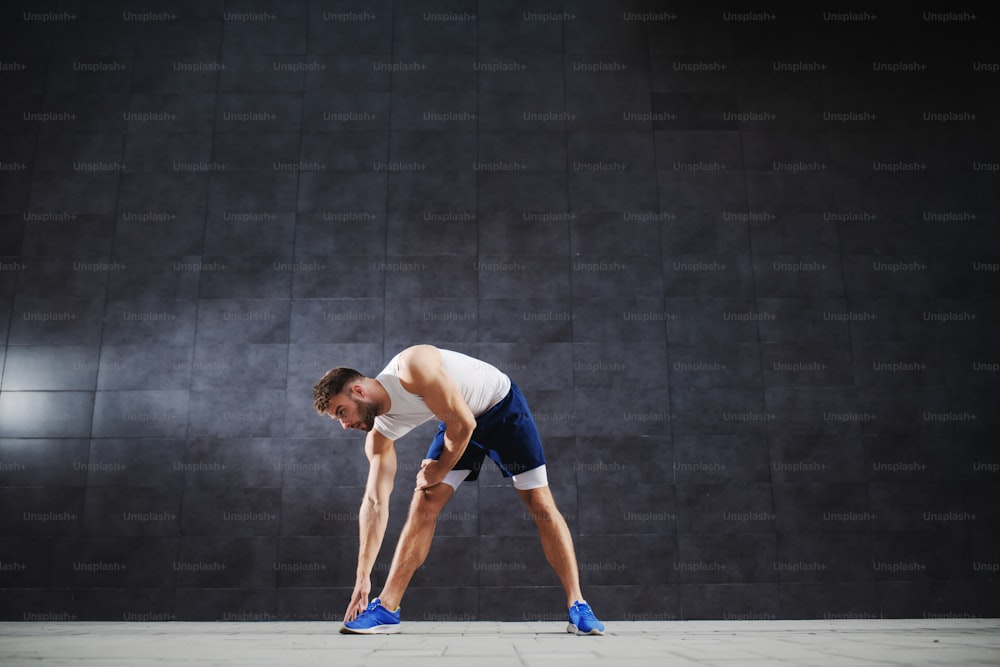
482, 386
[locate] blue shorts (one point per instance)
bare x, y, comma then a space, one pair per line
506, 433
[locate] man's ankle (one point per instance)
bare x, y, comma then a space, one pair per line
391, 605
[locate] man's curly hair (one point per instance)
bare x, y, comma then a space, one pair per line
331, 384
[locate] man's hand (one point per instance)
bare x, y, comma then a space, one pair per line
431, 474
362, 589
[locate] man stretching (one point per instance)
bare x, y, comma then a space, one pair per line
482, 413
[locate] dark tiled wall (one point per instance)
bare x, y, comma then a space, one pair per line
742, 260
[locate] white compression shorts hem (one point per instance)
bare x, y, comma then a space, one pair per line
532, 479
454, 478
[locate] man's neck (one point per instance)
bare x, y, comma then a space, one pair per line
381, 397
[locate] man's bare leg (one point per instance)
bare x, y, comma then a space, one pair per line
557, 543
414, 542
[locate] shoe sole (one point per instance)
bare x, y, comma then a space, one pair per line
573, 630
376, 630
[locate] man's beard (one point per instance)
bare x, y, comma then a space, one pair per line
366, 413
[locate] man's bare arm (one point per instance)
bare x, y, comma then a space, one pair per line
373, 515
421, 373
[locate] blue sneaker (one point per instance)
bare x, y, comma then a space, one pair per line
375, 620
582, 620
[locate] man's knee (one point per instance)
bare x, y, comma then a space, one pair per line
540, 503
427, 503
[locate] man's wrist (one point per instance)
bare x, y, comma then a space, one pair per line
443, 465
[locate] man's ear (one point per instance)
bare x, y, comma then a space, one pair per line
358, 390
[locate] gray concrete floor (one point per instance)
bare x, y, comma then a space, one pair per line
966, 642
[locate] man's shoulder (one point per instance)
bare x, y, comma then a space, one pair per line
416, 361
418, 351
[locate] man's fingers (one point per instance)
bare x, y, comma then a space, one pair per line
358, 603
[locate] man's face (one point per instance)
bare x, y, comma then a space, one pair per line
353, 412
